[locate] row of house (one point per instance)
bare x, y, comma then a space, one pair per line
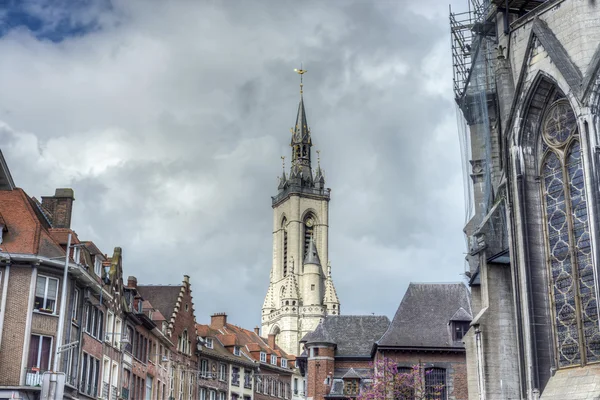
65, 307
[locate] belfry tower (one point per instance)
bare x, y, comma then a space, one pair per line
301, 290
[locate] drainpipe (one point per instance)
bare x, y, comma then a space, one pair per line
3, 303
480, 376
63, 308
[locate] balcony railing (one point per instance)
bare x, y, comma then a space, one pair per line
113, 394
33, 377
124, 393
105, 390
89, 389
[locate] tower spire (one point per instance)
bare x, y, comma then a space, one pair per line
301, 142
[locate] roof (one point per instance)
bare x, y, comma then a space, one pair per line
162, 297
6, 180
422, 319
312, 256
354, 335
27, 231
218, 349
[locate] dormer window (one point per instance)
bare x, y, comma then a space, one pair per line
209, 343
459, 329
283, 363
274, 359
97, 266
76, 254
236, 350
263, 356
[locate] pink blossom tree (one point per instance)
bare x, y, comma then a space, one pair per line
390, 382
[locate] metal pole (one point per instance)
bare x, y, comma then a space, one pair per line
63, 307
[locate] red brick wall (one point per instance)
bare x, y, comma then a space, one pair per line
454, 363
319, 368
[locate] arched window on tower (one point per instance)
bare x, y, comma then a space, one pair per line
309, 226
285, 246
573, 291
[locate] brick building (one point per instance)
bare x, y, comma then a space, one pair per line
175, 304
339, 353
428, 331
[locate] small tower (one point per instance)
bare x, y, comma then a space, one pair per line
330, 298
300, 244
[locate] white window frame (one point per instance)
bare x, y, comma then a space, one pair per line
75, 310
222, 396
119, 333
105, 376
98, 266
212, 395
222, 372
263, 356
43, 306
209, 343
108, 329
236, 350
39, 352
76, 254
283, 363
202, 394
273, 359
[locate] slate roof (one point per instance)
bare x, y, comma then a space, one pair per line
422, 319
354, 335
162, 297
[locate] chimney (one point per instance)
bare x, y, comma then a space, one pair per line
271, 340
132, 282
60, 207
257, 330
218, 320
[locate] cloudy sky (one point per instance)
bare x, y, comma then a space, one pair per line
169, 119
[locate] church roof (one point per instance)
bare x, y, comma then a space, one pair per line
422, 319
353, 335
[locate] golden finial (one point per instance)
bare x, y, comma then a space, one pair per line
301, 72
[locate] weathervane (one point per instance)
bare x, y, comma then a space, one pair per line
301, 72
283, 163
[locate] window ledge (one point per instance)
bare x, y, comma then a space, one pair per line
45, 313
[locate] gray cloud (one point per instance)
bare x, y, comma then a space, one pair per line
168, 120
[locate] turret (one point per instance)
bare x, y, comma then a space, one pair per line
312, 275
330, 299
290, 298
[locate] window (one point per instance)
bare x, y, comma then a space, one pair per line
204, 368
222, 395
46, 290
94, 322
273, 359
235, 376
247, 379
435, 384
285, 246
406, 382
263, 356
76, 254
222, 372
571, 270
209, 343
118, 336
105, 378
279, 389
90, 371
148, 387
202, 394
75, 306
236, 350
283, 363
109, 327
460, 329
351, 387
40, 349
309, 223
213, 395
98, 266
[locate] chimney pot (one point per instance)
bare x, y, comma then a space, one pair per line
271, 340
60, 207
257, 330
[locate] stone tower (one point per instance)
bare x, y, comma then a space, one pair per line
301, 290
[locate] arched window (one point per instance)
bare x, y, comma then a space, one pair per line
309, 225
285, 246
573, 292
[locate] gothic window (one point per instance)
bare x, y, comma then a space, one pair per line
573, 297
285, 246
309, 225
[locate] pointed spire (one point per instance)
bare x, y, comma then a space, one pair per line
331, 298
312, 256
290, 290
283, 179
268, 303
301, 141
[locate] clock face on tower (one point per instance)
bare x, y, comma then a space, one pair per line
309, 222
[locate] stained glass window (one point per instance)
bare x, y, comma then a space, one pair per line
568, 240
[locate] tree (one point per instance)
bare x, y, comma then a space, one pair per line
391, 382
